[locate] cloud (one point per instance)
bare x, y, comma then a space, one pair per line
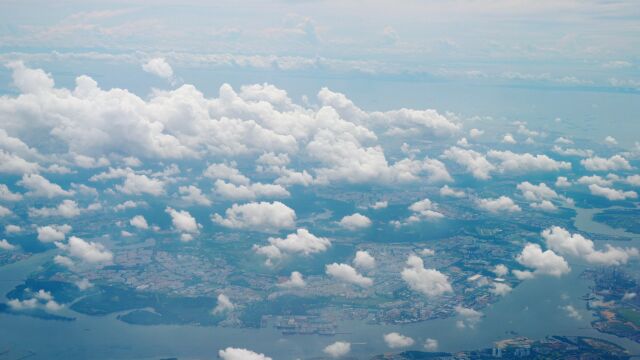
521, 163
562, 181
473, 161
67, 209
295, 281
468, 317
541, 195
250, 192
12, 229
224, 305
301, 242
51, 233
616, 162
355, 222
475, 133
348, 274
395, 340
38, 186
226, 172
364, 260
135, 184
500, 289
383, 204
542, 262
7, 195
563, 242
240, 354
193, 195
5, 245
183, 221
262, 216
13, 164
508, 139
431, 344
5, 211
572, 312
158, 67
88, 251
139, 222
337, 349
612, 194
501, 270
429, 282
422, 209
447, 191
501, 204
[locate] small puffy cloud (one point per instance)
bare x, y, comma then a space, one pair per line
431, 344
631, 180
84, 284
597, 179
300, 242
541, 195
129, 204
501, 204
183, 221
501, 270
395, 340
51, 233
139, 222
5, 211
542, 262
572, 312
5, 245
508, 139
87, 251
63, 261
193, 195
88, 162
348, 274
250, 191
475, 133
135, 184
468, 317
511, 162
450, 192
13, 164
337, 349
39, 186
295, 281
612, 194
429, 282
422, 209
427, 252
240, 354
562, 181
563, 140
258, 216
226, 172
7, 195
616, 162
67, 209
158, 67
223, 305
12, 229
500, 289
474, 162
610, 140
355, 222
364, 260
572, 152
383, 204
563, 242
